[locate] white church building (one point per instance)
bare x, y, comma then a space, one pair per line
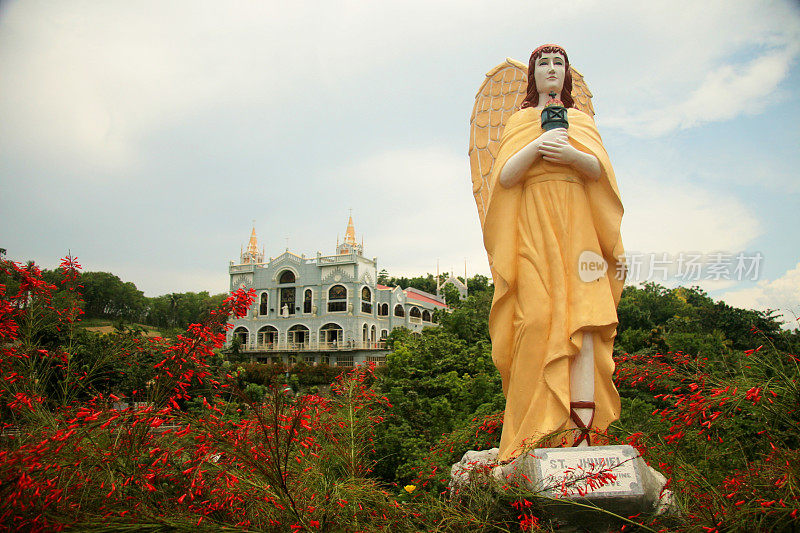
324, 309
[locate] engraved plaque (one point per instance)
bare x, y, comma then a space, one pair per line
597, 471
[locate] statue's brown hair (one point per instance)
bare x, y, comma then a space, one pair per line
532, 97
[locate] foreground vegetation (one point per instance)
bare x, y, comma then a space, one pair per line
710, 398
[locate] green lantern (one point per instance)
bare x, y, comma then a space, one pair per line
554, 114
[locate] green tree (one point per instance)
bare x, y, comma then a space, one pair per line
383, 277
107, 296
174, 300
178, 310
686, 319
478, 283
438, 382
451, 296
425, 283
469, 321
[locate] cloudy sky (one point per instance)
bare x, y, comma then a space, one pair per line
146, 137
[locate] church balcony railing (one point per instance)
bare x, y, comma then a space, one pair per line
336, 259
248, 267
322, 346
298, 346
266, 346
374, 345
330, 346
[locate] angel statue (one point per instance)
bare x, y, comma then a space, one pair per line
550, 212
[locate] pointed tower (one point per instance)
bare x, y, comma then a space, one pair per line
252, 255
350, 233
350, 245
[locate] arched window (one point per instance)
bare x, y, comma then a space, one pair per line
287, 276
241, 334
372, 334
330, 336
415, 315
267, 338
365, 334
384, 334
263, 307
337, 299
383, 309
366, 300
307, 299
426, 316
398, 311
298, 336
287, 300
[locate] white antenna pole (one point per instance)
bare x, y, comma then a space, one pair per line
437, 277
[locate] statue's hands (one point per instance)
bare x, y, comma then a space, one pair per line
552, 135
556, 148
553, 146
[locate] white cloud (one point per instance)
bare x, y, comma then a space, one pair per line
781, 294
673, 216
690, 63
668, 224
726, 92
420, 205
89, 83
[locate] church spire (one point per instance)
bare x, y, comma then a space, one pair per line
252, 247
349, 244
350, 234
251, 254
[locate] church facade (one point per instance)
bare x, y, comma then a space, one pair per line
324, 309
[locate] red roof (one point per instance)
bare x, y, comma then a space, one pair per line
384, 288
421, 298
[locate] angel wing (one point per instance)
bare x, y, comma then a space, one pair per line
581, 93
500, 96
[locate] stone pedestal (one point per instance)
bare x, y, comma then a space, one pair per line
575, 485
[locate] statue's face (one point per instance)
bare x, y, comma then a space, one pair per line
549, 73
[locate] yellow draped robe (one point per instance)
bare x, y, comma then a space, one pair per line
534, 233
